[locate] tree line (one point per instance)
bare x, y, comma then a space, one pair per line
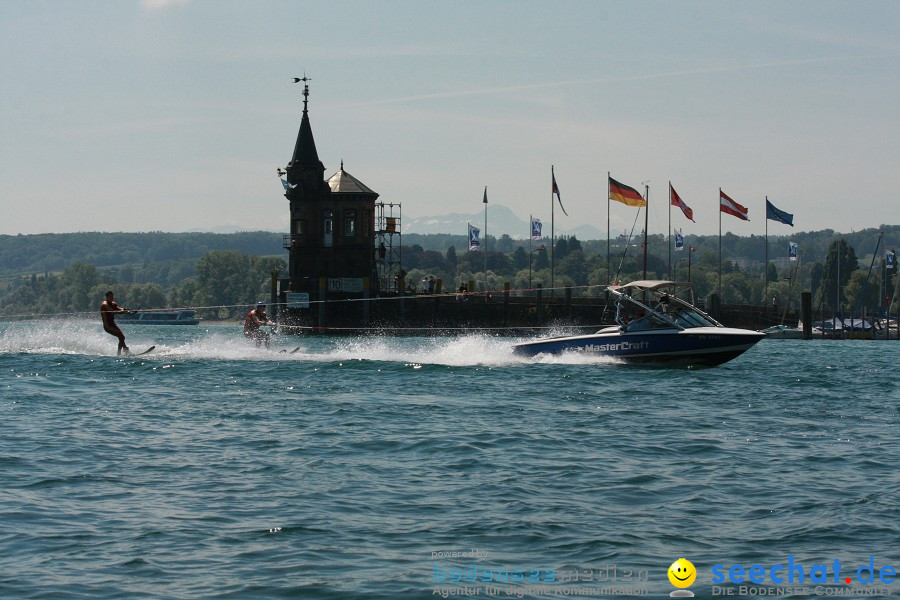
180, 270
223, 283
49, 252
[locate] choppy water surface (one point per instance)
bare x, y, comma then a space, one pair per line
355, 468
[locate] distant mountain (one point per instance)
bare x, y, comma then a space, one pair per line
500, 220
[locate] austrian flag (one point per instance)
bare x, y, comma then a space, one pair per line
727, 205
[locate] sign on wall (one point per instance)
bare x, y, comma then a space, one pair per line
297, 299
345, 284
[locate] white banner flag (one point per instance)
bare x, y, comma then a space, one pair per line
535, 229
474, 237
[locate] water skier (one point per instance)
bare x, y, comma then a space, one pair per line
108, 311
253, 323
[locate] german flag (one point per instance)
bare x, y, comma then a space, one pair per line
624, 194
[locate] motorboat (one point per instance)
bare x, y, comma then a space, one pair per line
657, 322
159, 317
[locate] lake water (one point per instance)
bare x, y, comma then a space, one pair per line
402, 467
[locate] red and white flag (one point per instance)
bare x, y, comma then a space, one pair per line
676, 200
727, 205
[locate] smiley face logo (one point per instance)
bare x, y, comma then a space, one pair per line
682, 573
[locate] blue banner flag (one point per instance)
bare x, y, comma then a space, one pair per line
774, 214
679, 241
535, 228
890, 260
474, 237
792, 250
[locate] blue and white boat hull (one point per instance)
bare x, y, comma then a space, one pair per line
704, 346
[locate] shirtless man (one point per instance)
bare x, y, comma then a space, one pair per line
108, 311
253, 322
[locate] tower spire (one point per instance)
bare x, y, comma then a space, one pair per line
305, 158
305, 81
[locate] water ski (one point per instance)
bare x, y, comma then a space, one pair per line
150, 349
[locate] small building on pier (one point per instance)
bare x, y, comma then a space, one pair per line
332, 253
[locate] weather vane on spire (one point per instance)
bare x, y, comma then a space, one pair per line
305, 81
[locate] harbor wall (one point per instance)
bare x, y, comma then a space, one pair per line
496, 313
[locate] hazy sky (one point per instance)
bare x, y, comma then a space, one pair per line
173, 115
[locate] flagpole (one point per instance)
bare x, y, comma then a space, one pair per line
484, 272
670, 230
608, 272
646, 213
720, 245
766, 270
552, 235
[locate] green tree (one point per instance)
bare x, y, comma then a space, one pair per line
574, 266
231, 280
574, 244
144, 295
451, 258
862, 295
520, 258
78, 281
561, 249
540, 261
839, 266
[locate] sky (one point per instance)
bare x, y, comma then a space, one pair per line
173, 115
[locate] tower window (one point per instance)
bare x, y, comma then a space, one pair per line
328, 228
349, 223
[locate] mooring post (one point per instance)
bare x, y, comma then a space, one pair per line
806, 314
323, 296
505, 304
714, 307
365, 301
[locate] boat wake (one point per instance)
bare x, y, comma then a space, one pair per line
63, 337
87, 338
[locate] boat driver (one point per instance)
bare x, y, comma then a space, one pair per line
254, 322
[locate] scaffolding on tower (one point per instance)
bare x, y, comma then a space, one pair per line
388, 244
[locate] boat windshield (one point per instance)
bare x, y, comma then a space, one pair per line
645, 322
634, 312
687, 318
